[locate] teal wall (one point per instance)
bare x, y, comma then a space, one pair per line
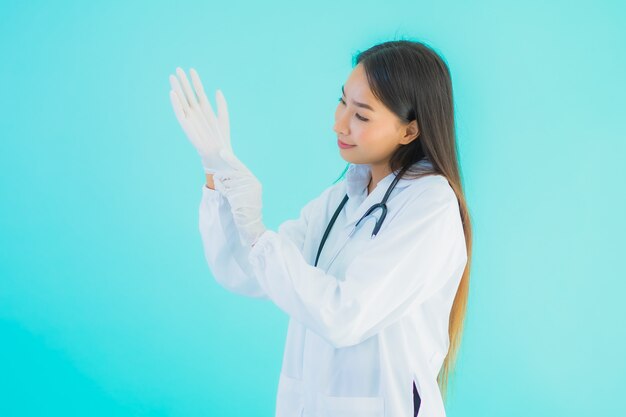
107, 307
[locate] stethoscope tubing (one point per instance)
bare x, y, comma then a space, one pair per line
379, 222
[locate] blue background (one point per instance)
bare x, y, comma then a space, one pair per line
107, 306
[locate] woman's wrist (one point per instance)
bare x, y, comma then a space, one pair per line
209, 181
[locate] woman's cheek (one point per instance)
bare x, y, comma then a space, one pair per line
361, 135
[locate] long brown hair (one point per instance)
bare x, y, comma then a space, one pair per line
414, 82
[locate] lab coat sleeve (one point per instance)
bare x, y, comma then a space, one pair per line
415, 254
226, 256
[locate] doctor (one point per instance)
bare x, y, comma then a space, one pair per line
374, 273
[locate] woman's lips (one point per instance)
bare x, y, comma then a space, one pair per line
344, 145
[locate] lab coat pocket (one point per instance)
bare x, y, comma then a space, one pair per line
353, 406
289, 400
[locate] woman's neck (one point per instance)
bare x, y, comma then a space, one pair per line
378, 172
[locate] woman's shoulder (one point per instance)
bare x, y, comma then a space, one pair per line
432, 186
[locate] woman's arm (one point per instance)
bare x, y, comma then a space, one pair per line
417, 254
226, 256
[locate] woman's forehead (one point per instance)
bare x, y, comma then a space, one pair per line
357, 88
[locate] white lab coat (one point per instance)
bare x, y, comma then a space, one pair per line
375, 320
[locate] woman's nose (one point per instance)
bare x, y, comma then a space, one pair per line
338, 130
340, 127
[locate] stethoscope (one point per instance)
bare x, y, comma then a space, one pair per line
379, 222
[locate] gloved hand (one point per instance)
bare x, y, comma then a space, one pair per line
243, 191
208, 133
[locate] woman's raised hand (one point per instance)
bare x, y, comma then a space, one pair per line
210, 134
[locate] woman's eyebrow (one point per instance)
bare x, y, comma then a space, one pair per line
366, 106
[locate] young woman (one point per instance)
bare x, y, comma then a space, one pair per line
374, 273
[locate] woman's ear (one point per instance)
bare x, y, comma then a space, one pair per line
411, 132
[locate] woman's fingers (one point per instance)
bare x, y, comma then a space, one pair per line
178, 107
205, 104
179, 91
188, 126
222, 115
189, 93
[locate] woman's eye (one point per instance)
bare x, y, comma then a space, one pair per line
358, 116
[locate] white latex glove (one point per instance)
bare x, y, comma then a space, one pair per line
244, 193
208, 133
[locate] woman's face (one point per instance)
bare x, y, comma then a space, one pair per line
363, 121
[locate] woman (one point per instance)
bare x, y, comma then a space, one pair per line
376, 298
